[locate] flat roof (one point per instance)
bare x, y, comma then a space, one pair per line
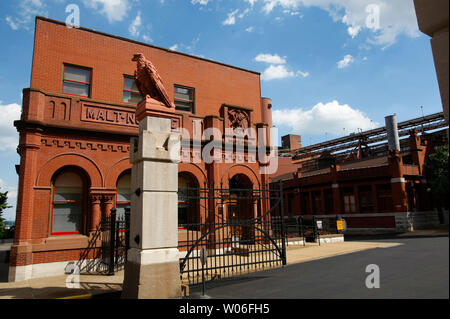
146, 44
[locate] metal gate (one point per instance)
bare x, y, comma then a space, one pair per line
229, 232
115, 241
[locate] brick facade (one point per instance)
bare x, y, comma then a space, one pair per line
91, 135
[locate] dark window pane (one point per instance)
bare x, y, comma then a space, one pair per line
59, 197
183, 93
76, 74
66, 217
130, 84
131, 97
184, 106
123, 196
76, 88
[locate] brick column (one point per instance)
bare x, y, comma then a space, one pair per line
375, 198
311, 206
399, 198
96, 212
322, 202
108, 204
335, 187
21, 251
356, 194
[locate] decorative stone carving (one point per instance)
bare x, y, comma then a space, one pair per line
238, 118
149, 82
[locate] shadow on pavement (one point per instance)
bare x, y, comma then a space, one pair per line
97, 290
4, 265
195, 290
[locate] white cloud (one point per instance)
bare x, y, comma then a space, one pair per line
269, 58
12, 191
243, 13
200, 2
353, 31
252, 2
26, 11
277, 68
9, 137
329, 117
231, 19
303, 74
396, 17
250, 29
115, 10
134, 26
346, 61
147, 38
274, 72
11, 23
9, 213
188, 48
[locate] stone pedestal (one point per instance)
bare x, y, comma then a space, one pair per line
152, 269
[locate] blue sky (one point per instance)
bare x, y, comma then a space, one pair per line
330, 66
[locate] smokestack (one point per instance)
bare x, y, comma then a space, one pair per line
266, 112
392, 132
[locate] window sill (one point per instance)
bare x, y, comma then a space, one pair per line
62, 243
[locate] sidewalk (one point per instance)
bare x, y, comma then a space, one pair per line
443, 231
92, 285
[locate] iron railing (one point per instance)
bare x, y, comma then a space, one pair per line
229, 232
115, 241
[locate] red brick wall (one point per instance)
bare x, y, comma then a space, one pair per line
371, 222
110, 58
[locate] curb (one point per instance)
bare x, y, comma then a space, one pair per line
86, 296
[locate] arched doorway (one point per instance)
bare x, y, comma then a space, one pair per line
241, 208
241, 188
188, 203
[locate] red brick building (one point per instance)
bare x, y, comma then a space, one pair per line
357, 178
77, 119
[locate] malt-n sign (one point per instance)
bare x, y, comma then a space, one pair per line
108, 115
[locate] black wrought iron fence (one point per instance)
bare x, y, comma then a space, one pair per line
115, 241
229, 232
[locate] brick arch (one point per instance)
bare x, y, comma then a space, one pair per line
195, 171
240, 169
93, 173
115, 171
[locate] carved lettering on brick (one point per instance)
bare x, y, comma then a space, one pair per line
108, 115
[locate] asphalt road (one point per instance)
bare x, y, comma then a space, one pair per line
417, 269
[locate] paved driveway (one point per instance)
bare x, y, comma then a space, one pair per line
417, 269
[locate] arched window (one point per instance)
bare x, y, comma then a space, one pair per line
67, 204
123, 199
188, 208
183, 200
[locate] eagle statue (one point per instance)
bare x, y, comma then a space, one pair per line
148, 81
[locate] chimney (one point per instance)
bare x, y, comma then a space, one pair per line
266, 112
392, 132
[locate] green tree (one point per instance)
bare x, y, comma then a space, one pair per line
3, 205
436, 169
